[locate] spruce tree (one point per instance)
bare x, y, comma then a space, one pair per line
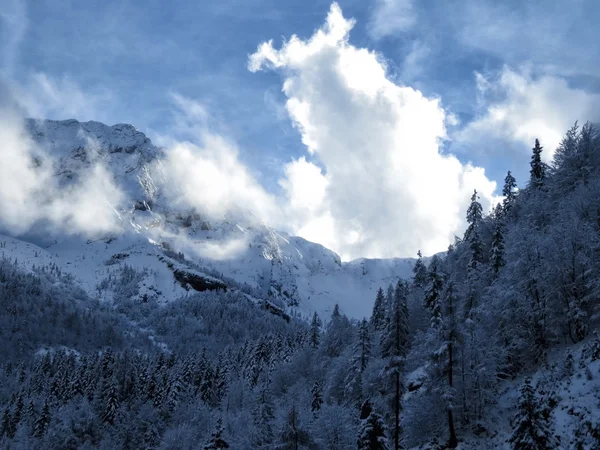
315, 331
441, 301
379, 311
497, 251
361, 355
43, 421
31, 413
293, 436
362, 348
18, 412
434, 289
372, 430
112, 404
531, 427
508, 191
538, 168
216, 441
6, 425
395, 345
317, 396
419, 272
263, 416
474, 218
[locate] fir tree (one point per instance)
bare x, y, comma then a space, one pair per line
6, 425
395, 345
497, 251
379, 311
317, 396
293, 436
362, 348
43, 421
508, 191
18, 412
531, 427
112, 404
263, 416
372, 430
441, 301
216, 441
419, 272
434, 289
31, 413
474, 217
538, 168
315, 331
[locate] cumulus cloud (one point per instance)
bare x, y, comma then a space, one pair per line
386, 188
30, 194
517, 106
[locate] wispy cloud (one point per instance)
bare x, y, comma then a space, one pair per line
391, 17
13, 25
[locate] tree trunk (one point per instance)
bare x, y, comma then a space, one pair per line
452, 441
397, 411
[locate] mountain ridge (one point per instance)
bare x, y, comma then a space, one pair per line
294, 273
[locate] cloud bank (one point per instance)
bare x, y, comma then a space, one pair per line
30, 195
385, 188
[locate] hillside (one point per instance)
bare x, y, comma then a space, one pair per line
131, 340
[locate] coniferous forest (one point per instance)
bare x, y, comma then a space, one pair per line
492, 344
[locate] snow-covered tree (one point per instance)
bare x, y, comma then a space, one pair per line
419, 272
508, 191
538, 168
379, 311
315, 331
372, 431
43, 421
217, 441
531, 428
317, 396
497, 250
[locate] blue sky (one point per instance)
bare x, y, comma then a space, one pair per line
503, 73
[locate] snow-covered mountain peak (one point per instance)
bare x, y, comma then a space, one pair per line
236, 248
64, 136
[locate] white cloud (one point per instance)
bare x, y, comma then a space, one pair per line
519, 107
386, 189
30, 195
391, 17
212, 177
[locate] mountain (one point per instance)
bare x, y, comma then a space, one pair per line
178, 328
175, 248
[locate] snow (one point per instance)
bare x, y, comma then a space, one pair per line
300, 275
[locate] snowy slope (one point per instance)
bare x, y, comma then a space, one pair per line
299, 275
